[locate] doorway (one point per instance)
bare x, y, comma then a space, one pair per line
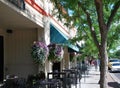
56, 66
1, 58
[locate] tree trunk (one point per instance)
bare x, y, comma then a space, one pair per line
103, 66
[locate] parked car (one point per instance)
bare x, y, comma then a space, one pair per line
115, 67
111, 61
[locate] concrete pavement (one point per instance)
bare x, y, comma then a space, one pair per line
91, 80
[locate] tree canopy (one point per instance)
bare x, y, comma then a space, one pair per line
78, 12
97, 21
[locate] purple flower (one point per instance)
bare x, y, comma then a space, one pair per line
55, 52
39, 51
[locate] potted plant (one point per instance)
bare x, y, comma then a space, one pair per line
55, 52
39, 52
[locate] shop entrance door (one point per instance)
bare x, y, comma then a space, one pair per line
56, 66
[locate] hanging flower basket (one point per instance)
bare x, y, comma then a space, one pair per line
55, 52
39, 52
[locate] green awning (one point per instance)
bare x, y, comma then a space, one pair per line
57, 37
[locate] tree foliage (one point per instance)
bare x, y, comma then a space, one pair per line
97, 22
75, 16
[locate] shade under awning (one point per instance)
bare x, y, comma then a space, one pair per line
56, 36
74, 47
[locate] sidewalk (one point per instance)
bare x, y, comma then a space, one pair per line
91, 80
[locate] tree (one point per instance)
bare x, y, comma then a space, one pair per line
113, 40
95, 17
118, 54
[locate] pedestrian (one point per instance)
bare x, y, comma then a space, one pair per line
95, 64
84, 67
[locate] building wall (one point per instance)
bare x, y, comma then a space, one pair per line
33, 14
17, 45
17, 48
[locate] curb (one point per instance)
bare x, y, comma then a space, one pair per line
115, 79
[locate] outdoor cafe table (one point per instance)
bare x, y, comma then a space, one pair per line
46, 84
58, 75
74, 71
72, 75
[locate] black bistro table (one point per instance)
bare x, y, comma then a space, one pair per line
46, 84
61, 76
72, 76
